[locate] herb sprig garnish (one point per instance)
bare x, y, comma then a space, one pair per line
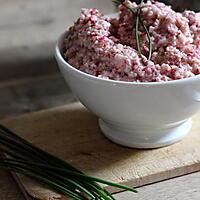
24, 158
137, 13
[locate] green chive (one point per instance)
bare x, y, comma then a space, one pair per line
43, 167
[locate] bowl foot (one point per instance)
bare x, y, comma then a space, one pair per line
145, 138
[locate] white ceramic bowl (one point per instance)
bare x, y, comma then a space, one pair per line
141, 115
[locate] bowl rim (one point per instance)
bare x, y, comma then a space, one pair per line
59, 57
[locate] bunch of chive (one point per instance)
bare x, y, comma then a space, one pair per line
139, 20
24, 158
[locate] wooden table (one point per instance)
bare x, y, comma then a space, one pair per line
28, 30
27, 95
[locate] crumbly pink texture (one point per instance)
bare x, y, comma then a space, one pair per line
106, 48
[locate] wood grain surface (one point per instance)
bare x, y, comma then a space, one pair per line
181, 188
27, 95
8, 189
85, 147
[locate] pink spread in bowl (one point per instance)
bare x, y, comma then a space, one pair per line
106, 48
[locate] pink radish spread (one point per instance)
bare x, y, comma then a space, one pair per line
107, 48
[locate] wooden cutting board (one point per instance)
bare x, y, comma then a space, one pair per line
72, 133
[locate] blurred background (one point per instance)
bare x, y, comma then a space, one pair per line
29, 29
29, 78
